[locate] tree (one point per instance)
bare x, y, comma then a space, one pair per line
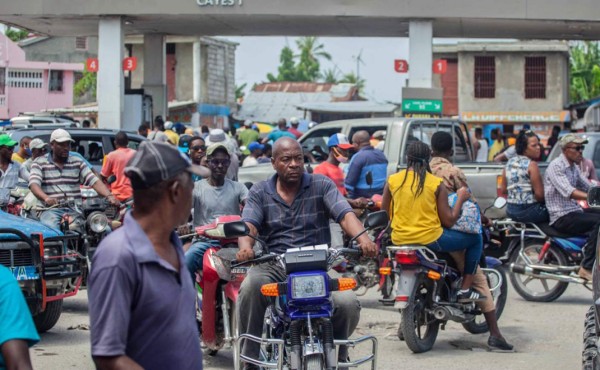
310, 53
584, 64
350, 78
16, 34
330, 76
239, 91
287, 69
86, 84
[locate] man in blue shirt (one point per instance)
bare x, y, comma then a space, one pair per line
277, 134
17, 332
366, 160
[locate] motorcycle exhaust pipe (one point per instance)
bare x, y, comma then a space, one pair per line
536, 273
445, 313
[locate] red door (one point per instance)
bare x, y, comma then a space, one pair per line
450, 86
171, 63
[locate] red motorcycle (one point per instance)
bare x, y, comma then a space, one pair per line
218, 286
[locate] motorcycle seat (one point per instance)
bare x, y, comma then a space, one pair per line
552, 232
448, 258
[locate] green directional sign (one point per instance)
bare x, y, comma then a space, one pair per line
421, 105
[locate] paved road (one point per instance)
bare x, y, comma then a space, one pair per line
547, 336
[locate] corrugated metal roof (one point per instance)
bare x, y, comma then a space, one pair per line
349, 107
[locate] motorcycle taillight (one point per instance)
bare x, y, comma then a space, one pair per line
407, 258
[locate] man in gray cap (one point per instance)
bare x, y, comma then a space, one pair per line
58, 176
142, 301
219, 136
564, 185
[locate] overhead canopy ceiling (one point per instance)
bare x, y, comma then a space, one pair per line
525, 19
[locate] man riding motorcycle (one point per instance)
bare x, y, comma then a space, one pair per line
10, 171
213, 197
292, 209
59, 175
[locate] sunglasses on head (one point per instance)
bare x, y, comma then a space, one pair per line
198, 147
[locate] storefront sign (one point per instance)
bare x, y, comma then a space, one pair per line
219, 2
510, 117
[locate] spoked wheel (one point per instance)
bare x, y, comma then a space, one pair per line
419, 327
536, 289
479, 325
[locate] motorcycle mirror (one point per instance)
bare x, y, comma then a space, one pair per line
376, 219
500, 202
369, 178
593, 197
235, 229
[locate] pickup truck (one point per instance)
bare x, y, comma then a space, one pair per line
483, 178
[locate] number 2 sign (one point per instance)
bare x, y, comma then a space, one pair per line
400, 65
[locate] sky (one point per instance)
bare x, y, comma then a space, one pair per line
257, 56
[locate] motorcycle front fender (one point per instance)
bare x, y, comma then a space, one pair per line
404, 286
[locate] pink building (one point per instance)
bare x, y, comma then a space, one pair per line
32, 86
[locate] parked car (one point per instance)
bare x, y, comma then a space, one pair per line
92, 144
39, 258
591, 356
33, 119
483, 178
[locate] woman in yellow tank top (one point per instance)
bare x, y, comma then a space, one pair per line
418, 204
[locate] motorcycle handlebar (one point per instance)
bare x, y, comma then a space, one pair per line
350, 252
262, 259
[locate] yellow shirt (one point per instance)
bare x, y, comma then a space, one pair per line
414, 220
173, 137
17, 158
495, 149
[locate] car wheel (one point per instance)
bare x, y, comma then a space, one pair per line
589, 357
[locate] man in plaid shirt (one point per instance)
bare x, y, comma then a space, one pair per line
564, 185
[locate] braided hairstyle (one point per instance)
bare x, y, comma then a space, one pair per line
418, 155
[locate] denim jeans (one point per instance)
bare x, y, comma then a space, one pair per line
53, 216
534, 212
194, 256
452, 241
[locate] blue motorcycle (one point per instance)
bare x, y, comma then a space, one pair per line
298, 333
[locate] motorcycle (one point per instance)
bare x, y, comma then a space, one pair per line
426, 287
297, 333
369, 272
218, 286
543, 261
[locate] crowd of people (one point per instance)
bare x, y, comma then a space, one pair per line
141, 296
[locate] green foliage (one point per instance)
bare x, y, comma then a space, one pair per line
16, 34
585, 71
86, 84
351, 78
330, 76
307, 67
239, 91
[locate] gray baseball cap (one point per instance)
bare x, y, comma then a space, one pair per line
155, 162
572, 138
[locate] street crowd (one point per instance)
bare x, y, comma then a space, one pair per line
141, 296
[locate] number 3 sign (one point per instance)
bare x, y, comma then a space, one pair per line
130, 64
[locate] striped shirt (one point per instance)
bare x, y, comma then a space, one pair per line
61, 183
9, 180
303, 223
560, 181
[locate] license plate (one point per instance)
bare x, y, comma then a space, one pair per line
25, 273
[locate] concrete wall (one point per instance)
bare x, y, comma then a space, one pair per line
37, 99
137, 76
184, 76
510, 83
60, 49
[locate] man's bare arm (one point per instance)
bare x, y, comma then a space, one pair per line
116, 363
16, 355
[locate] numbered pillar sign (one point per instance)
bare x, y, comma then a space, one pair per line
130, 64
400, 65
91, 64
440, 66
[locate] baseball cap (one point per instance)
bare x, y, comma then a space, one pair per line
60, 136
340, 140
216, 136
572, 138
248, 123
211, 149
37, 144
294, 121
155, 162
5, 140
184, 143
168, 125
255, 145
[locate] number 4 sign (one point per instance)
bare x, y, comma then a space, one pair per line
91, 64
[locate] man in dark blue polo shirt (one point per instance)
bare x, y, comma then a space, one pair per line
366, 160
290, 210
141, 298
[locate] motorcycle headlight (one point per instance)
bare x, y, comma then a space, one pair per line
88, 193
308, 286
97, 222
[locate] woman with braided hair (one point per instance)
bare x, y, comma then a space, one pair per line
418, 206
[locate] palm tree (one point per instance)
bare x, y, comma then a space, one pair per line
350, 78
585, 71
330, 76
310, 53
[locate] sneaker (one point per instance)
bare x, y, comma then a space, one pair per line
469, 295
585, 274
499, 345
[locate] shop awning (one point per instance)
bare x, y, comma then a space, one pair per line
516, 117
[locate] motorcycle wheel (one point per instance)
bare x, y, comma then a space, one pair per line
479, 325
419, 328
534, 289
314, 362
589, 357
235, 333
46, 320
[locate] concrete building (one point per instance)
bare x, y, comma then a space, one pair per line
27, 86
506, 83
418, 20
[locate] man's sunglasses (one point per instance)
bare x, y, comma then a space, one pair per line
198, 147
216, 162
578, 148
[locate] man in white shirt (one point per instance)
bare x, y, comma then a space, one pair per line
256, 150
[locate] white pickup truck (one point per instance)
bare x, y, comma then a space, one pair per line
483, 178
